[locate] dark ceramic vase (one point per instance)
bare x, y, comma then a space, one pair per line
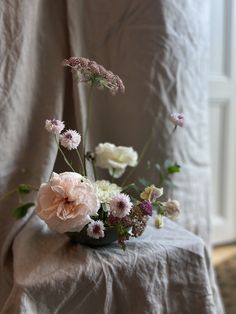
82, 237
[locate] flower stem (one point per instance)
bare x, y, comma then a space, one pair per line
65, 159
8, 194
142, 154
94, 169
88, 120
81, 162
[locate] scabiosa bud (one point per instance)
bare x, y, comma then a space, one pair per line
120, 205
54, 126
96, 229
70, 139
146, 207
177, 119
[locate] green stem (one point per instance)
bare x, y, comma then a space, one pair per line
142, 154
94, 170
65, 159
8, 194
81, 162
128, 186
88, 120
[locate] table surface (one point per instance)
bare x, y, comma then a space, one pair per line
164, 271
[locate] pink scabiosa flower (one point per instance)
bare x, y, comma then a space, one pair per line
96, 229
54, 126
177, 119
92, 72
120, 205
70, 139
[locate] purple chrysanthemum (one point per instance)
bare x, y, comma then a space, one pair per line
120, 205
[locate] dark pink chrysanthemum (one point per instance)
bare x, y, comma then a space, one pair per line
92, 72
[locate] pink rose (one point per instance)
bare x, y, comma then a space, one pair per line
67, 201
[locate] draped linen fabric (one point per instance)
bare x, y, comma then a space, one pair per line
158, 48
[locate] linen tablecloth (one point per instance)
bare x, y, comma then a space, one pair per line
164, 271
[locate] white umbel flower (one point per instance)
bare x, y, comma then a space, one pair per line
96, 229
106, 190
70, 139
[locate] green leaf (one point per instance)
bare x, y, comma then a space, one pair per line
24, 189
22, 210
173, 169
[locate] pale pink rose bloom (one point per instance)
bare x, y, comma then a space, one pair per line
54, 126
172, 208
70, 139
120, 205
67, 201
96, 229
177, 119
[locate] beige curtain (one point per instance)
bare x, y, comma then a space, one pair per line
158, 48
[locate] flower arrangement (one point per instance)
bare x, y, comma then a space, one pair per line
72, 202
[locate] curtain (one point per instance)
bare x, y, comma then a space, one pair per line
159, 49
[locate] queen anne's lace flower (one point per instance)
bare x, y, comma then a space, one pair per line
177, 119
96, 229
120, 205
106, 190
70, 139
92, 72
54, 126
67, 201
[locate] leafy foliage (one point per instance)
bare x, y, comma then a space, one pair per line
22, 210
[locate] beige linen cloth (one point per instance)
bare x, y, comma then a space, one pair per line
158, 47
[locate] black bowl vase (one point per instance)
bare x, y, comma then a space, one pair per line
110, 235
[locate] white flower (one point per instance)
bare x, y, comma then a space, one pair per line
54, 126
70, 139
96, 229
115, 158
106, 190
120, 205
172, 208
67, 201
